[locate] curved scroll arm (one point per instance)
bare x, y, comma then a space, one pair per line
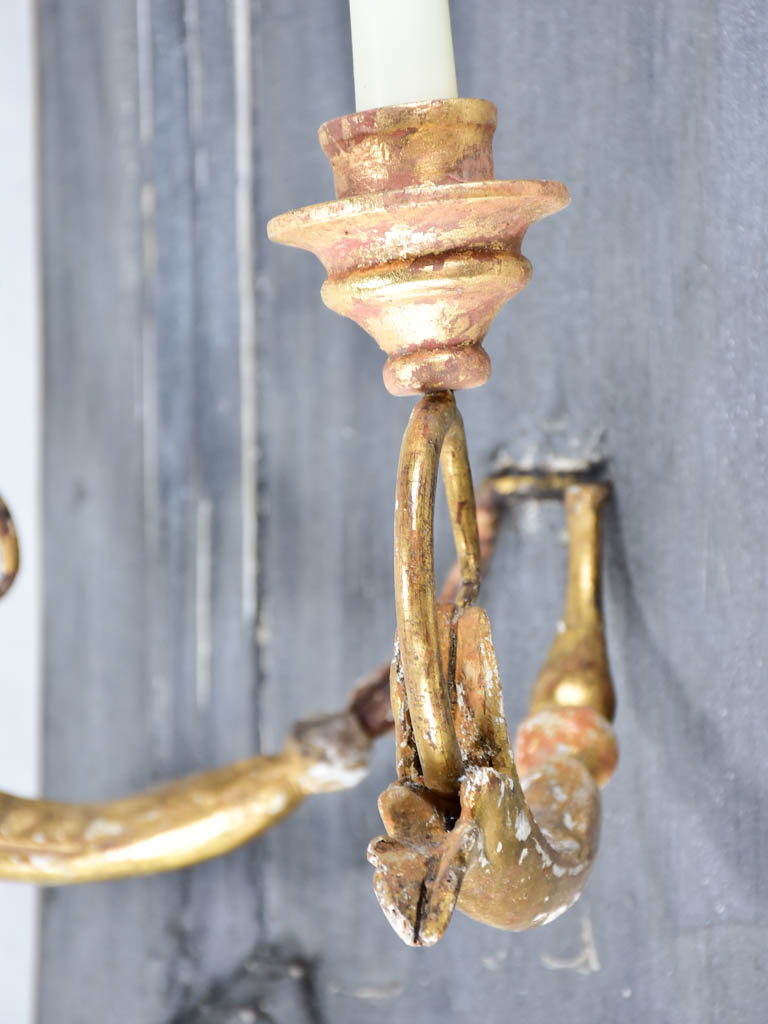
184, 821
513, 851
191, 819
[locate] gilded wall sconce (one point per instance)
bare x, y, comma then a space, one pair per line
422, 246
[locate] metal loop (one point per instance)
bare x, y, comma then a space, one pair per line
434, 435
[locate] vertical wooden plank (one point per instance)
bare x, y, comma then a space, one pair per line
151, 646
95, 634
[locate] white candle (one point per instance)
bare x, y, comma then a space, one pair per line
402, 52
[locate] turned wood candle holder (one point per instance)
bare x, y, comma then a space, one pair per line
422, 244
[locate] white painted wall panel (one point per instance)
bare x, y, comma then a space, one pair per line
20, 412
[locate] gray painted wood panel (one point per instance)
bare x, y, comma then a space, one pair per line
646, 320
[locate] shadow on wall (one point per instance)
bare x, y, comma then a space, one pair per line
275, 983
